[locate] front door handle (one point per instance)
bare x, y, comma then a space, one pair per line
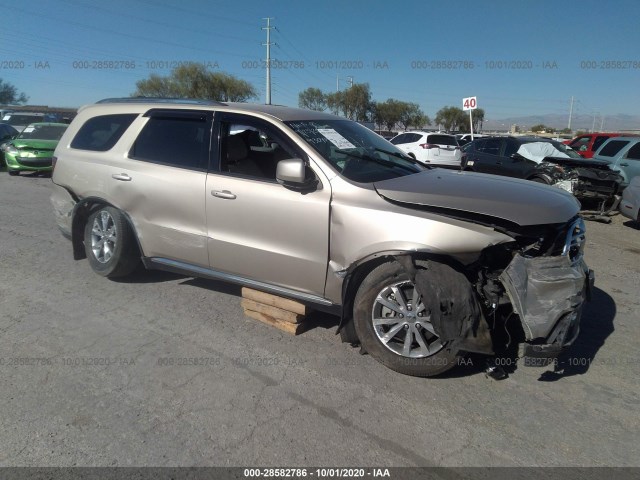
624, 164
223, 194
121, 176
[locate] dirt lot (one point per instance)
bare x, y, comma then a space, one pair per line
164, 370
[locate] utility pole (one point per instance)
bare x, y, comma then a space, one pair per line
268, 28
337, 83
601, 123
570, 113
593, 125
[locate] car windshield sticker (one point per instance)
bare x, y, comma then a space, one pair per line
335, 138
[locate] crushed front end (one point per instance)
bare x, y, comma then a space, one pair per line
543, 281
595, 185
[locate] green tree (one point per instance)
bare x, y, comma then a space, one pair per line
388, 113
9, 94
452, 118
312, 99
193, 80
412, 116
335, 102
477, 116
353, 103
541, 128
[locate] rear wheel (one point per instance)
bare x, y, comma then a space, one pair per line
14, 173
110, 243
394, 327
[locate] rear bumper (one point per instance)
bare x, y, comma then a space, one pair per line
63, 204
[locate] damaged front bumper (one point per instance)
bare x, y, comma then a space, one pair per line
548, 294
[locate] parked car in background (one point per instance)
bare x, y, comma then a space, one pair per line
630, 203
438, 149
587, 144
32, 149
545, 161
413, 259
623, 155
19, 120
7, 132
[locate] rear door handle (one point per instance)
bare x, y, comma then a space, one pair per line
123, 177
223, 194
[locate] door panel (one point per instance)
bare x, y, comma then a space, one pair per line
256, 227
162, 185
268, 233
167, 207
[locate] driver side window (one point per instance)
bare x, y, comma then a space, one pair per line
252, 148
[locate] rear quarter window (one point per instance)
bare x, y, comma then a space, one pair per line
101, 133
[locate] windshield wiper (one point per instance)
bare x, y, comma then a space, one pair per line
370, 158
406, 157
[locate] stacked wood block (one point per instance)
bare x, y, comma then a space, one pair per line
279, 312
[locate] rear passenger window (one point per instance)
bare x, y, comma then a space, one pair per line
102, 133
597, 143
490, 146
612, 148
176, 141
634, 152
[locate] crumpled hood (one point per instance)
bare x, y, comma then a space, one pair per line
519, 201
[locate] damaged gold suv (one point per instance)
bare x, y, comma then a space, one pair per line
422, 264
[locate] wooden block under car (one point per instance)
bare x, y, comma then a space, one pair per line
274, 301
292, 328
274, 312
282, 313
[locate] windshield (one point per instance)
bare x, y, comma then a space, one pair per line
43, 132
566, 149
17, 119
354, 151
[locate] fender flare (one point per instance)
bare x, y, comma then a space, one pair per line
81, 211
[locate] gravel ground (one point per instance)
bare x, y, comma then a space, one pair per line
87, 379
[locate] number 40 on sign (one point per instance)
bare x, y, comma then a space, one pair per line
469, 103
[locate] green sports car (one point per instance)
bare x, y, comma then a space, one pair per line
33, 148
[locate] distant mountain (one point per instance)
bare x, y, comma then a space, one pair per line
579, 122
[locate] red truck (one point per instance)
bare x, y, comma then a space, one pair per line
587, 144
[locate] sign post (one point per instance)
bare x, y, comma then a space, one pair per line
470, 103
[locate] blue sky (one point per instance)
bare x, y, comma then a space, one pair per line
509, 43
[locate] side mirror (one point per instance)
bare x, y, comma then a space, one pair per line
517, 157
292, 173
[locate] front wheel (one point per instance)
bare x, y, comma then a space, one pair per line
110, 243
394, 327
14, 173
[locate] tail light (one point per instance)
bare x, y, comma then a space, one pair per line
53, 163
427, 146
